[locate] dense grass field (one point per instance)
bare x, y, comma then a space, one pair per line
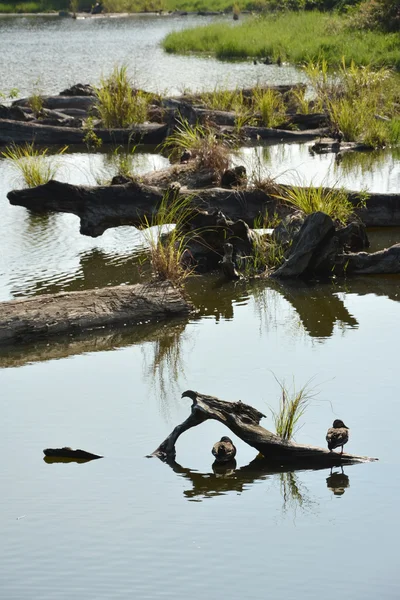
293, 37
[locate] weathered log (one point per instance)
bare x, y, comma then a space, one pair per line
60, 102
67, 452
101, 207
244, 421
20, 132
328, 145
269, 133
47, 315
377, 263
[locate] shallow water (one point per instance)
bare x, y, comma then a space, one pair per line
127, 526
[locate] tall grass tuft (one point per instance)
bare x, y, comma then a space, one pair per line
271, 106
34, 165
332, 201
167, 250
292, 406
201, 140
120, 105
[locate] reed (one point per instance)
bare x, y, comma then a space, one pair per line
167, 251
292, 406
33, 165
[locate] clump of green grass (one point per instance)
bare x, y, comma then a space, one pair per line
271, 105
360, 101
167, 251
119, 104
206, 149
267, 252
34, 165
309, 199
292, 406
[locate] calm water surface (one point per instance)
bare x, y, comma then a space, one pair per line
127, 526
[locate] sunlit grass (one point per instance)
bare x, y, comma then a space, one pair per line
201, 141
119, 104
33, 165
309, 199
293, 403
296, 37
167, 250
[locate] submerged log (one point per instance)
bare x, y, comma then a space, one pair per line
67, 452
244, 421
21, 132
47, 315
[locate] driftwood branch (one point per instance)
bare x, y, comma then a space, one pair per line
244, 421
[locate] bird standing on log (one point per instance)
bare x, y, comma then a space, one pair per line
224, 450
337, 435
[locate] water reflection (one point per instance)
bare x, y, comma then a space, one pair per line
164, 363
318, 307
294, 493
88, 341
337, 482
226, 478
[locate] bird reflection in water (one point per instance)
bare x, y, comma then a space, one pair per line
224, 470
337, 482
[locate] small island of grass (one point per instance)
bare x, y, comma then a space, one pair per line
300, 36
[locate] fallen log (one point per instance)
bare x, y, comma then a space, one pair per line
375, 263
102, 207
21, 132
244, 421
60, 102
47, 315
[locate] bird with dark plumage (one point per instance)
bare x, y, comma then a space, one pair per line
224, 450
337, 435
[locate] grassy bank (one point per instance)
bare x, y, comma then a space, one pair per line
293, 37
125, 6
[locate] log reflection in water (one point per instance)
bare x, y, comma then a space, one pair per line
226, 478
83, 343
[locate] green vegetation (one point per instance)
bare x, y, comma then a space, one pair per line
362, 103
119, 103
201, 142
34, 165
167, 251
332, 201
292, 406
297, 37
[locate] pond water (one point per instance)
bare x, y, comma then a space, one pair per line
49, 54
127, 526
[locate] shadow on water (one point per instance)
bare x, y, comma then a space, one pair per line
226, 478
